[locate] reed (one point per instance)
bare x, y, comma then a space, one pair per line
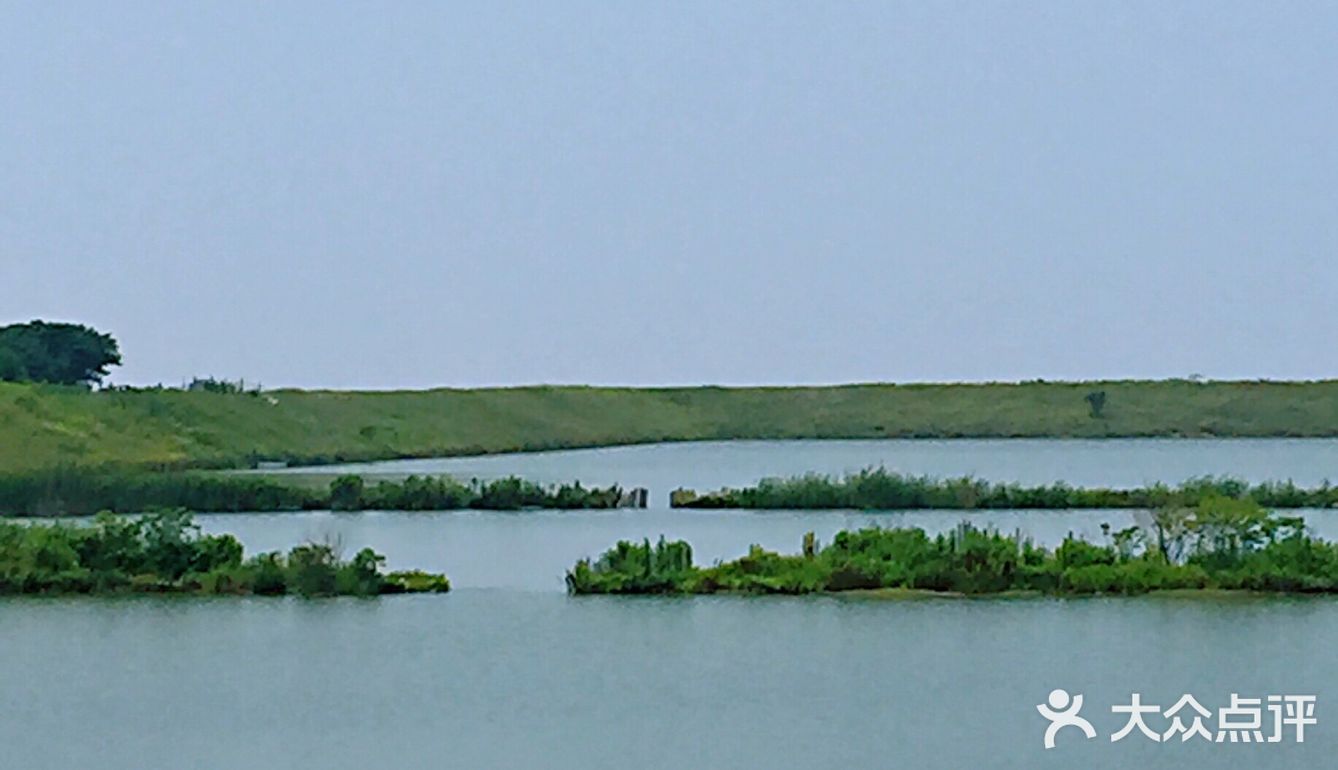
74, 491
880, 489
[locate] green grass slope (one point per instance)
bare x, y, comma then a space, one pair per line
42, 426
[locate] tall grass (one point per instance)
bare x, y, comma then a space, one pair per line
76, 491
432, 493
880, 489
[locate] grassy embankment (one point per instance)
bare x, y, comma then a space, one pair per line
1219, 545
167, 553
877, 489
44, 427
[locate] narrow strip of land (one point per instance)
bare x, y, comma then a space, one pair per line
876, 489
77, 491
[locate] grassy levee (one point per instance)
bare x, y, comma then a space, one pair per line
45, 426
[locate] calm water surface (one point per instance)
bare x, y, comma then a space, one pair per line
508, 672
513, 679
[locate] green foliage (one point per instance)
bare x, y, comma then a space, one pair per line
12, 367
879, 489
269, 574
509, 494
221, 387
362, 576
77, 491
346, 493
637, 568
56, 353
166, 552
439, 493
1231, 544
415, 581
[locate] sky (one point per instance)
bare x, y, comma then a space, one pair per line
359, 195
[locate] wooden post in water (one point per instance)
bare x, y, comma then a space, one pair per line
637, 497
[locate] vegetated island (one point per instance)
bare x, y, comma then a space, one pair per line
216, 424
877, 489
165, 552
1221, 544
73, 491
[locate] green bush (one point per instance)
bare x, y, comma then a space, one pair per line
346, 493
415, 581
1228, 543
167, 552
635, 568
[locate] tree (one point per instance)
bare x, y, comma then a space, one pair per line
11, 366
1096, 401
1172, 524
346, 493
60, 353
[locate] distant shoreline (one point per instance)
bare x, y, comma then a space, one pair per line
153, 429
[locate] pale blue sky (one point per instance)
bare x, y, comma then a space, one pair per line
411, 194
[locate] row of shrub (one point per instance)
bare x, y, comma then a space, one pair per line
81, 492
879, 489
1221, 543
439, 493
165, 552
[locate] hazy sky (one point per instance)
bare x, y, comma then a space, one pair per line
415, 194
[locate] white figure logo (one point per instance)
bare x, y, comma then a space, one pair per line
1063, 712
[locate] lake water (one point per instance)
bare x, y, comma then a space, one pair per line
509, 672
513, 679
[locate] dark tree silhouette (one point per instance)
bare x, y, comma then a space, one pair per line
1096, 400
